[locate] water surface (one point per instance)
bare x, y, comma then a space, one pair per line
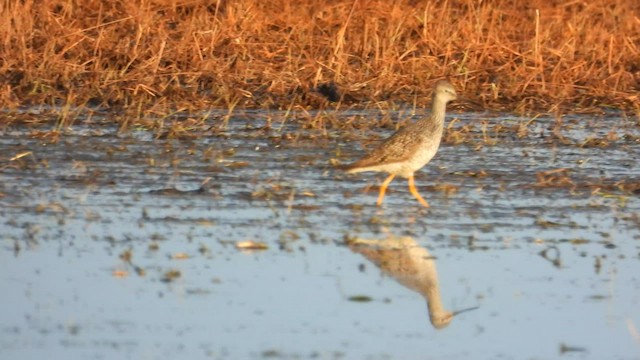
124, 245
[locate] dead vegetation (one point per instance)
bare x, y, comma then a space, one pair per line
153, 58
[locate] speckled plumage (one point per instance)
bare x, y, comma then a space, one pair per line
411, 147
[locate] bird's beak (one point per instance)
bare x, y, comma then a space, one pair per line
455, 313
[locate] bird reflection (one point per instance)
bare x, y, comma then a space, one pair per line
412, 266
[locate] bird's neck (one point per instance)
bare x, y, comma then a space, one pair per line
434, 302
438, 109
437, 312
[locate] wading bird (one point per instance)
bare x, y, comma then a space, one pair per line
411, 147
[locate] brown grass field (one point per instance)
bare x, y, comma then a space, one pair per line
156, 57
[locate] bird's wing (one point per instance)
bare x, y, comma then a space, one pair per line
397, 148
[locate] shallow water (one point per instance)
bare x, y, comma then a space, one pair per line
93, 226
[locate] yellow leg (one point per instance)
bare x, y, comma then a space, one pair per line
414, 191
383, 189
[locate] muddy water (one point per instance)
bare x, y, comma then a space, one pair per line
125, 246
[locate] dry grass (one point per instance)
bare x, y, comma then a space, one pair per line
151, 58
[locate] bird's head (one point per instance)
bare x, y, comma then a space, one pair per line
445, 91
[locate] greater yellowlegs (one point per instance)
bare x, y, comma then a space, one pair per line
411, 147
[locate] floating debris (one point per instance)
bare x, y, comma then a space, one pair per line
180, 256
236, 164
579, 241
251, 245
126, 256
360, 298
447, 189
554, 178
171, 275
140, 271
564, 348
203, 249
555, 260
120, 273
21, 155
